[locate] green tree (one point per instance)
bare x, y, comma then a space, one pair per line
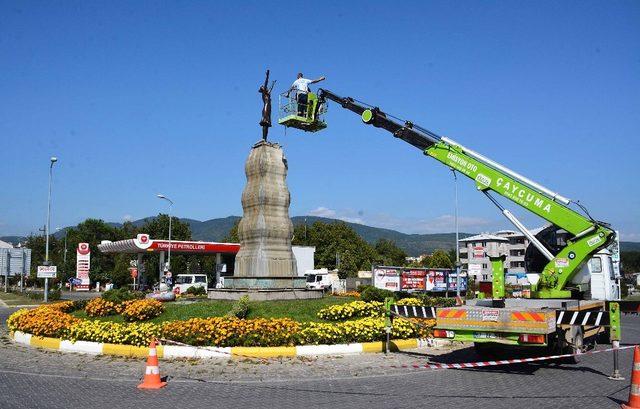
390, 254
232, 236
37, 244
92, 231
439, 259
337, 241
630, 262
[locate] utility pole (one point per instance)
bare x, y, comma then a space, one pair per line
167, 266
47, 228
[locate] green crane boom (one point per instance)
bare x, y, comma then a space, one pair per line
588, 236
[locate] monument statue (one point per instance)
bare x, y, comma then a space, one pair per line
265, 90
265, 231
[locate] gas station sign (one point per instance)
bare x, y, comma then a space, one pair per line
83, 266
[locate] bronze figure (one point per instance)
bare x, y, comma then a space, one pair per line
265, 90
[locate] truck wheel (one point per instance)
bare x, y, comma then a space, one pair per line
574, 343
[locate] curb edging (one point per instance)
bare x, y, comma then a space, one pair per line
179, 351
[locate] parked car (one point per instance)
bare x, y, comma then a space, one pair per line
186, 281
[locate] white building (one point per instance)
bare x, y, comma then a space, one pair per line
305, 258
473, 253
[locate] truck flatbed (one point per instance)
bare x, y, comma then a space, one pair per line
519, 322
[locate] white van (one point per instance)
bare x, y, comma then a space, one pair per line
318, 282
186, 281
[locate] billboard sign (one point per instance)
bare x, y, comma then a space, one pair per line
47, 271
439, 280
478, 252
413, 280
386, 278
83, 266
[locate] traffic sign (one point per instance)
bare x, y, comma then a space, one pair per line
47, 271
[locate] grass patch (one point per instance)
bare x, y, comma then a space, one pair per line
12, 299
299, 310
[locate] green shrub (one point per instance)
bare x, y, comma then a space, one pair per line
196, 291
54, 295
79, 304
240, 308
120, 295
375, 294
429, 301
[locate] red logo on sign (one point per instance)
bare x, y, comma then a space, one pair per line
83, 248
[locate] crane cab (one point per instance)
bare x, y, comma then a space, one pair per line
307, 116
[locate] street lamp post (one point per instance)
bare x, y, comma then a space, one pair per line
48, 228
168, 265
458, 278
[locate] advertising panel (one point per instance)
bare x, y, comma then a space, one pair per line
439, 280
413, 280
478, 252
83, 265
453, 282
385, 278
47, 271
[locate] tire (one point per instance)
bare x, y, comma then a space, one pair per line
573, 343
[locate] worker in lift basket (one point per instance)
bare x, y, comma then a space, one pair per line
301, 87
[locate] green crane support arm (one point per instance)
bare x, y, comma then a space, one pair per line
588, 236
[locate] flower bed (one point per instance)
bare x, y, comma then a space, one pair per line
131, 310
138, 334
140, 310
357, 321
352, 310
232, 331
353, 294
42, 321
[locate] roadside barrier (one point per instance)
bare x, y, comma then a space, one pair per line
467, 365
152, 378
634, 392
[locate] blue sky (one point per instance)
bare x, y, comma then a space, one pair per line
136, 98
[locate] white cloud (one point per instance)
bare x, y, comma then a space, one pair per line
127, 218
441, 224
322, 212
629, 236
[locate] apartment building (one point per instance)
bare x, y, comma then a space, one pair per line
473, 253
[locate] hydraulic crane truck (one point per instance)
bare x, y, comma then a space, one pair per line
559, 312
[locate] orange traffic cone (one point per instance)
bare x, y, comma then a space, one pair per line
152, 373
634, 393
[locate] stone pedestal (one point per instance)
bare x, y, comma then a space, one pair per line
265, 259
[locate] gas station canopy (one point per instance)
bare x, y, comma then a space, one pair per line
144, 244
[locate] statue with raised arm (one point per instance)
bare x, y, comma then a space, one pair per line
265, 90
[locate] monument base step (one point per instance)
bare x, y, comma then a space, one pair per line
264, 295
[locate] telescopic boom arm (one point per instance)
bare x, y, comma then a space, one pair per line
588, 236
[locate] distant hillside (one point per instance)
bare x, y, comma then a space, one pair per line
15, 240
413, 244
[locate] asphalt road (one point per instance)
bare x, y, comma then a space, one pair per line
31, 378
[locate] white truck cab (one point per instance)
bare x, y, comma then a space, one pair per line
601, 277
